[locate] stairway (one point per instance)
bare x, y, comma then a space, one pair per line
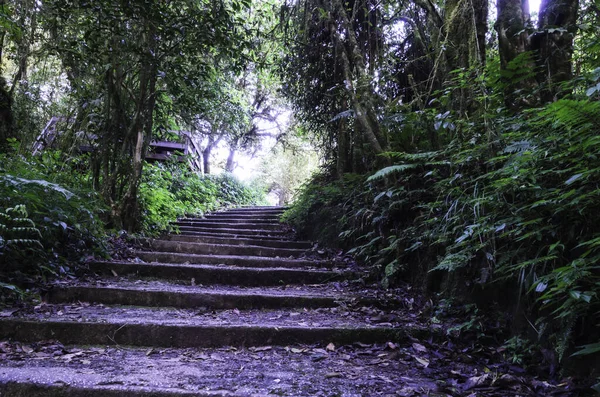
231, 305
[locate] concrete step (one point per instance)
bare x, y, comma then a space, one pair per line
224, 215
230, 260
224, 275
222, 249
227, 235
257, 209
212, 239
164, 294
232, 231
257, 371
254, 213
227, 225
230, 219
164, 327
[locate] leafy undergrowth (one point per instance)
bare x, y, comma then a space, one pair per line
52, 219
169, 191
510, 218
49, 221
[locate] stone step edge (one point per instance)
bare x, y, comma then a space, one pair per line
214, 275
228, 225
270, 243
251, 232
162, 335
129, 296
229, 260
39, 389
200, 248
228, 235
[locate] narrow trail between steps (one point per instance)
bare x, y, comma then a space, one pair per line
233, 305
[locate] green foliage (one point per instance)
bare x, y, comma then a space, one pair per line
19, 237
321, 200
49, 216
169, 191
513, 209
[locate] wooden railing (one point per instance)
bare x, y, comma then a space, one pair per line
186, 150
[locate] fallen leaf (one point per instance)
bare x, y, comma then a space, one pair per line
476, 381
418, 347
8, 313
392, 345
423, 361
330, 347
114, 273
261, 348
296, 350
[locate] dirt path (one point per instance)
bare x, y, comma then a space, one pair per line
233, 306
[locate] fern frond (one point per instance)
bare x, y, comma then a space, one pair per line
390, 170
24, 220
24, 242
574, 114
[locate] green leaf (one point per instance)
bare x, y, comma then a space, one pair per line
390, 170
573, 179
587, 349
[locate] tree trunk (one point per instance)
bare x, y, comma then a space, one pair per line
557, 25
143, 127
466, 27
206, 159
6, 119
513, 40
342, 149
513, 18
24, 46
361, 93
230, 165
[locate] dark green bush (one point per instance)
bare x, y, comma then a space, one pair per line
512, 216
169, 191
49, 215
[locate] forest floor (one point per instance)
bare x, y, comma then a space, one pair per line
233, 329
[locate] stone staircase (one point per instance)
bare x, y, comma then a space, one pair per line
230, 306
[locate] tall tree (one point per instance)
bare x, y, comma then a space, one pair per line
557, 25
125, 63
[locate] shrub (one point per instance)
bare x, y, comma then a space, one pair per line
169, 191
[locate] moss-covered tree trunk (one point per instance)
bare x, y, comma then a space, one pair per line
6, 119
557, 26
465, 23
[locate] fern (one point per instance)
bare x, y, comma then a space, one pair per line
17, 239
390, 170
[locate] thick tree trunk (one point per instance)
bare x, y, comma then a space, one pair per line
557, 25
513, 40
230, 164
465, 24
466, 27
206, 159
513, 18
